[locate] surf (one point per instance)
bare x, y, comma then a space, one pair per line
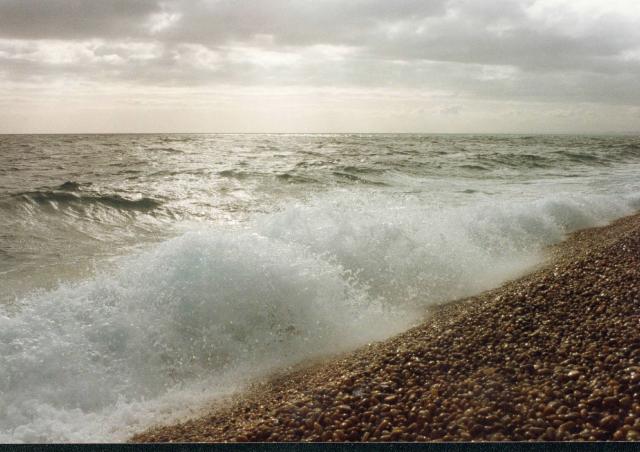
200, 315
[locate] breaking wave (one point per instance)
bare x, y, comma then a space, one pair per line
203, 313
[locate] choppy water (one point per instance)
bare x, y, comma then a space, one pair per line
142, 274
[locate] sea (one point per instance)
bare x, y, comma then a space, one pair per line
143, 277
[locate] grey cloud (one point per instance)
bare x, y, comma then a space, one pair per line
467, 31
208, 21
74, 19
302, 22
485, 49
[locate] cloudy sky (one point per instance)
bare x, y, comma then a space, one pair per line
319, 65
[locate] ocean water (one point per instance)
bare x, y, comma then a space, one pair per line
142, 276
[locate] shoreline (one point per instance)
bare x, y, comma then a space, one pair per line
554, 355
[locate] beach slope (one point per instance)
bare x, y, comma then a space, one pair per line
552, 356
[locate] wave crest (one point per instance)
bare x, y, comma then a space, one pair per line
68, 195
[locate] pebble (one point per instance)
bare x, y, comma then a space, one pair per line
553, 356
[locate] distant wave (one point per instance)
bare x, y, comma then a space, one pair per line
68, 194
353, 178
233, 174
70, 185
474, 167
294, 178
360, 169
583, 157
168, 150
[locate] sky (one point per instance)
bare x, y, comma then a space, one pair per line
430, 66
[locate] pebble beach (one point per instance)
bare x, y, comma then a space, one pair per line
319, 222
553, 356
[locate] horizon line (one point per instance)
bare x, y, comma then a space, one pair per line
324, 133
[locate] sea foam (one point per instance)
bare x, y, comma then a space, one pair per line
198, 316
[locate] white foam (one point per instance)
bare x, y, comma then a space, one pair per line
197, 316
